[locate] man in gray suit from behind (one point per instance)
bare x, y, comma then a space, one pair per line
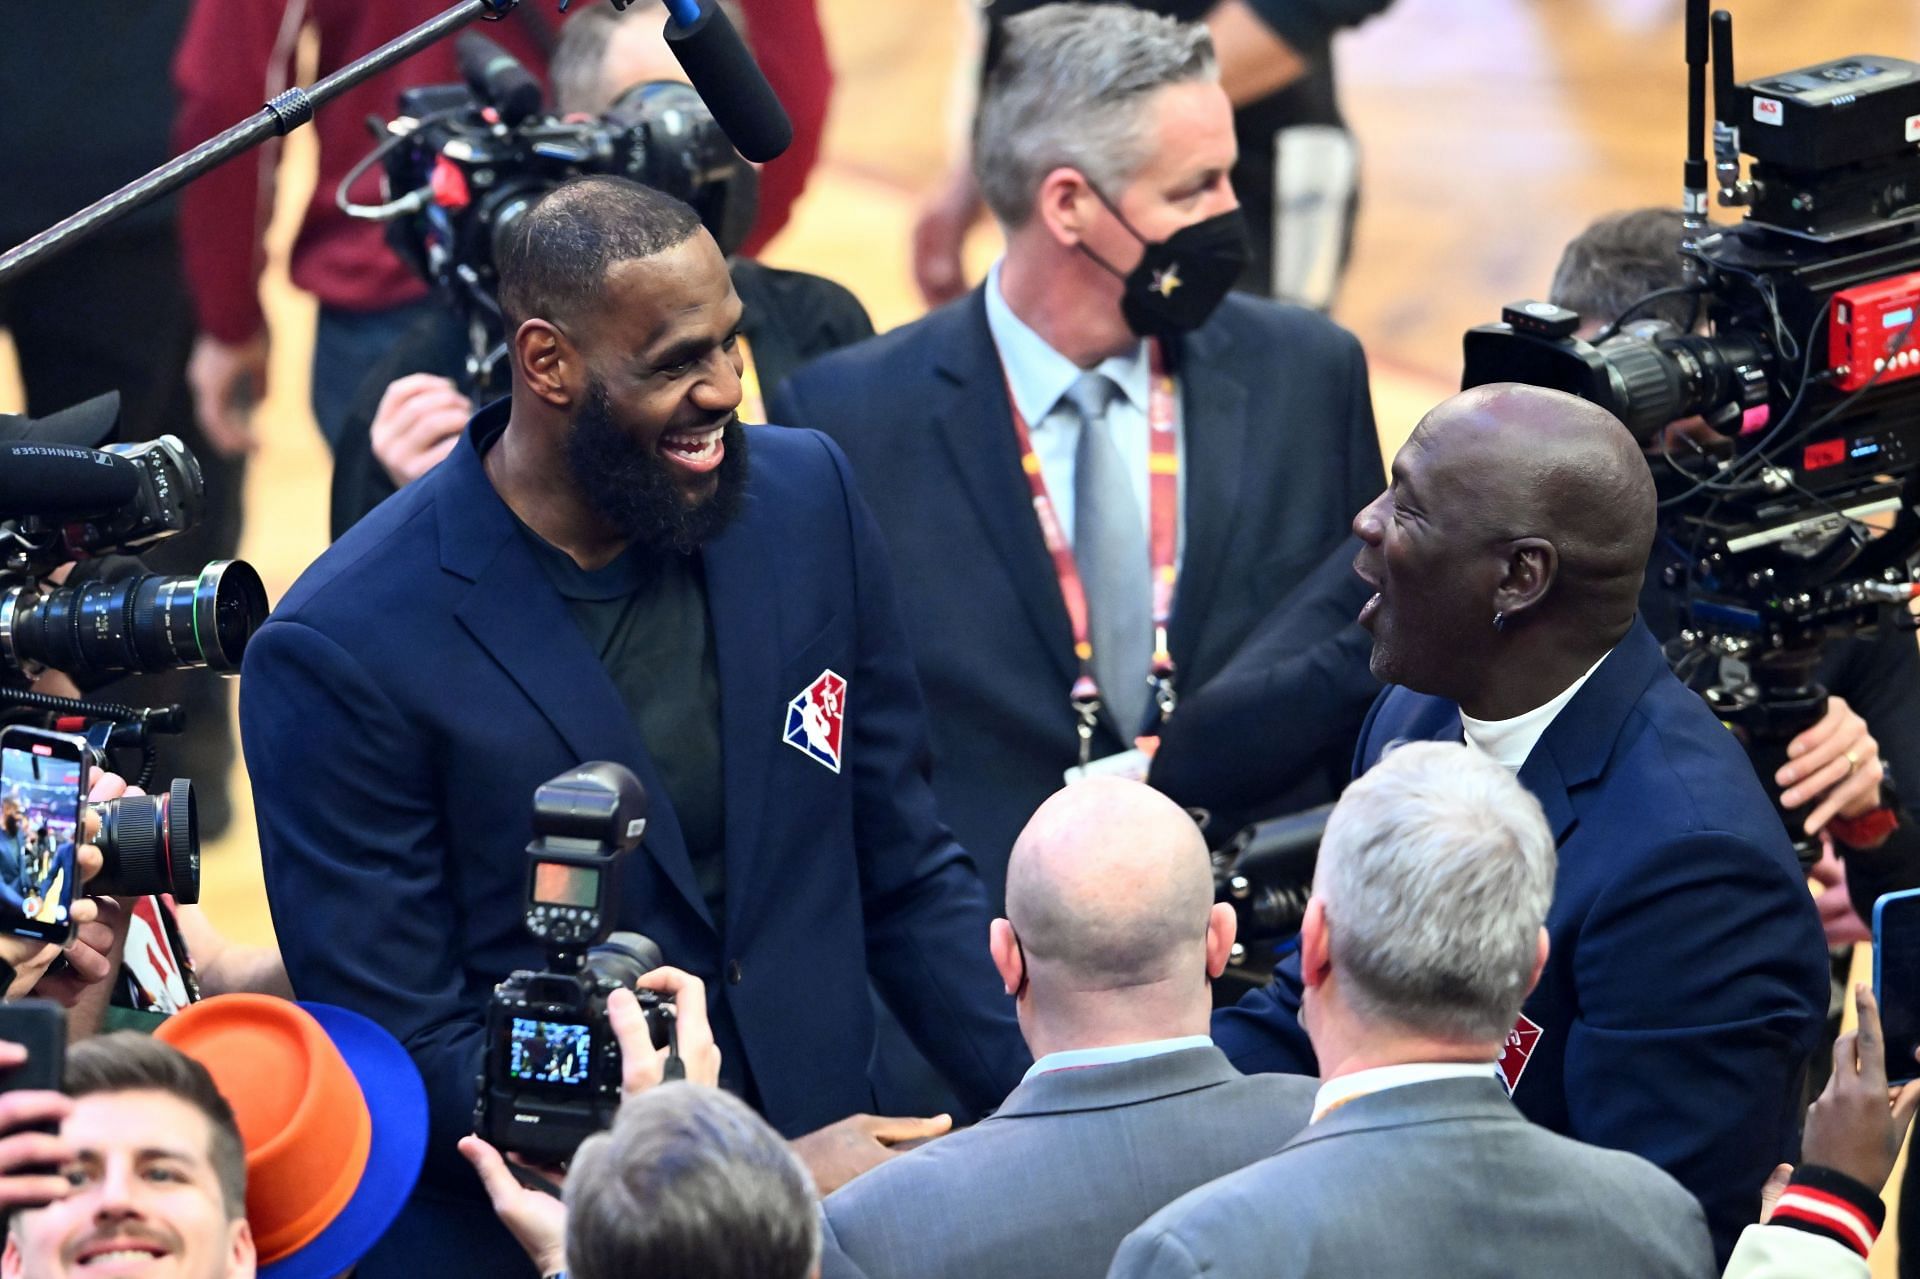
1110, 944
1424, 934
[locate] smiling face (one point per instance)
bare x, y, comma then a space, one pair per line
1434, 567
146, 1200
654, 444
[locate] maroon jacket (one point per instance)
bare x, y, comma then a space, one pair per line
238, 53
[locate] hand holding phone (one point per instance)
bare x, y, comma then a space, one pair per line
33, 1043
1851, 1128
1896, 980
42, 793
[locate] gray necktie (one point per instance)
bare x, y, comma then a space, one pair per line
1110, 549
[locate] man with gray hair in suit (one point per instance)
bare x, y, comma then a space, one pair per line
1110, 945
1425, 931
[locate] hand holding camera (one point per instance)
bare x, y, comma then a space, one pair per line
642, 1065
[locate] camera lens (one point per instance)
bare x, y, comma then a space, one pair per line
149, 844
146, 622
623, 959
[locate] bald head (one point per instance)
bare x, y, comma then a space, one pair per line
1109, 887
1524, 461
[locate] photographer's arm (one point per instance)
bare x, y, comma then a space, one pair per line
1266, 45
227, 967
229, 54
537, 1220
1882, 682
355, 860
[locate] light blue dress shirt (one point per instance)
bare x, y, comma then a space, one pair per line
1040, 376
1076, 1058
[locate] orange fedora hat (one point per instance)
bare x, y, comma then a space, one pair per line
333, 1116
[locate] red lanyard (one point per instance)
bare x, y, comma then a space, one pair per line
1163, 493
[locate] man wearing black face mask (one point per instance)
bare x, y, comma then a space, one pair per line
1098, 470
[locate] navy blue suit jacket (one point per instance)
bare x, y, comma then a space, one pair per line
1686, 983
1279, 452
423, 678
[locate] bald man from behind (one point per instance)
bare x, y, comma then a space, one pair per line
1110, 946
1687, 977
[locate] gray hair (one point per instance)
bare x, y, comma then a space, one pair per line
580, 56
1436, 871
690, 1184
1069, 91
1620, 259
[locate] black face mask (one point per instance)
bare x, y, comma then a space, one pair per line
1182, 279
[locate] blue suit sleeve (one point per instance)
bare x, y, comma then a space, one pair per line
1304, 665
1696, 1065
1262, 1033
1366, 472
355, 862
923, 903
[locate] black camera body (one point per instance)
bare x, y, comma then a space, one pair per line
462, 164
551, 1072
167, 498
67, 504
1798, 522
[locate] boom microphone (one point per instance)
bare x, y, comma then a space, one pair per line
497, 78
63, 479
724, 74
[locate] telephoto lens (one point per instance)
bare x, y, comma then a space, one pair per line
146, 622
149, 844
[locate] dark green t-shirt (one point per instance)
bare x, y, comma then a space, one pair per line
645, 614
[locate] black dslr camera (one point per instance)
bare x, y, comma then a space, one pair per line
1800, 522
551, 1077
61, 503
462, 164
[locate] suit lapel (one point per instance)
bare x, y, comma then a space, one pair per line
513, 612
1213, 426
743, 594
972, 416
1577, 745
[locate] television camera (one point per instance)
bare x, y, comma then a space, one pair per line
469, 160
1798, 523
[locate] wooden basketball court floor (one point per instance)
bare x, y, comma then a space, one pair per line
1491, 130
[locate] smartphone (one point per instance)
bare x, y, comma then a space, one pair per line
1896, 979
39, 1026
43, 780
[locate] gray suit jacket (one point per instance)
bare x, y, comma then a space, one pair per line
1051, 1183
1440, 1178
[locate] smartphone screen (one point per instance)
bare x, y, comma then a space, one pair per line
1896, 979
42, 776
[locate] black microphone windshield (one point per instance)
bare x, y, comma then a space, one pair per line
63, 479
717, 62
497, 77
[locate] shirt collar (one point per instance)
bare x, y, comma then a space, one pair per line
1336, 1093
1510, 741
1040, 375
1078, 1058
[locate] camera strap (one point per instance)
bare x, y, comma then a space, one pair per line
673, 1069
1163, 494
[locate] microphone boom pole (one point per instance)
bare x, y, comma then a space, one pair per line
287, 112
